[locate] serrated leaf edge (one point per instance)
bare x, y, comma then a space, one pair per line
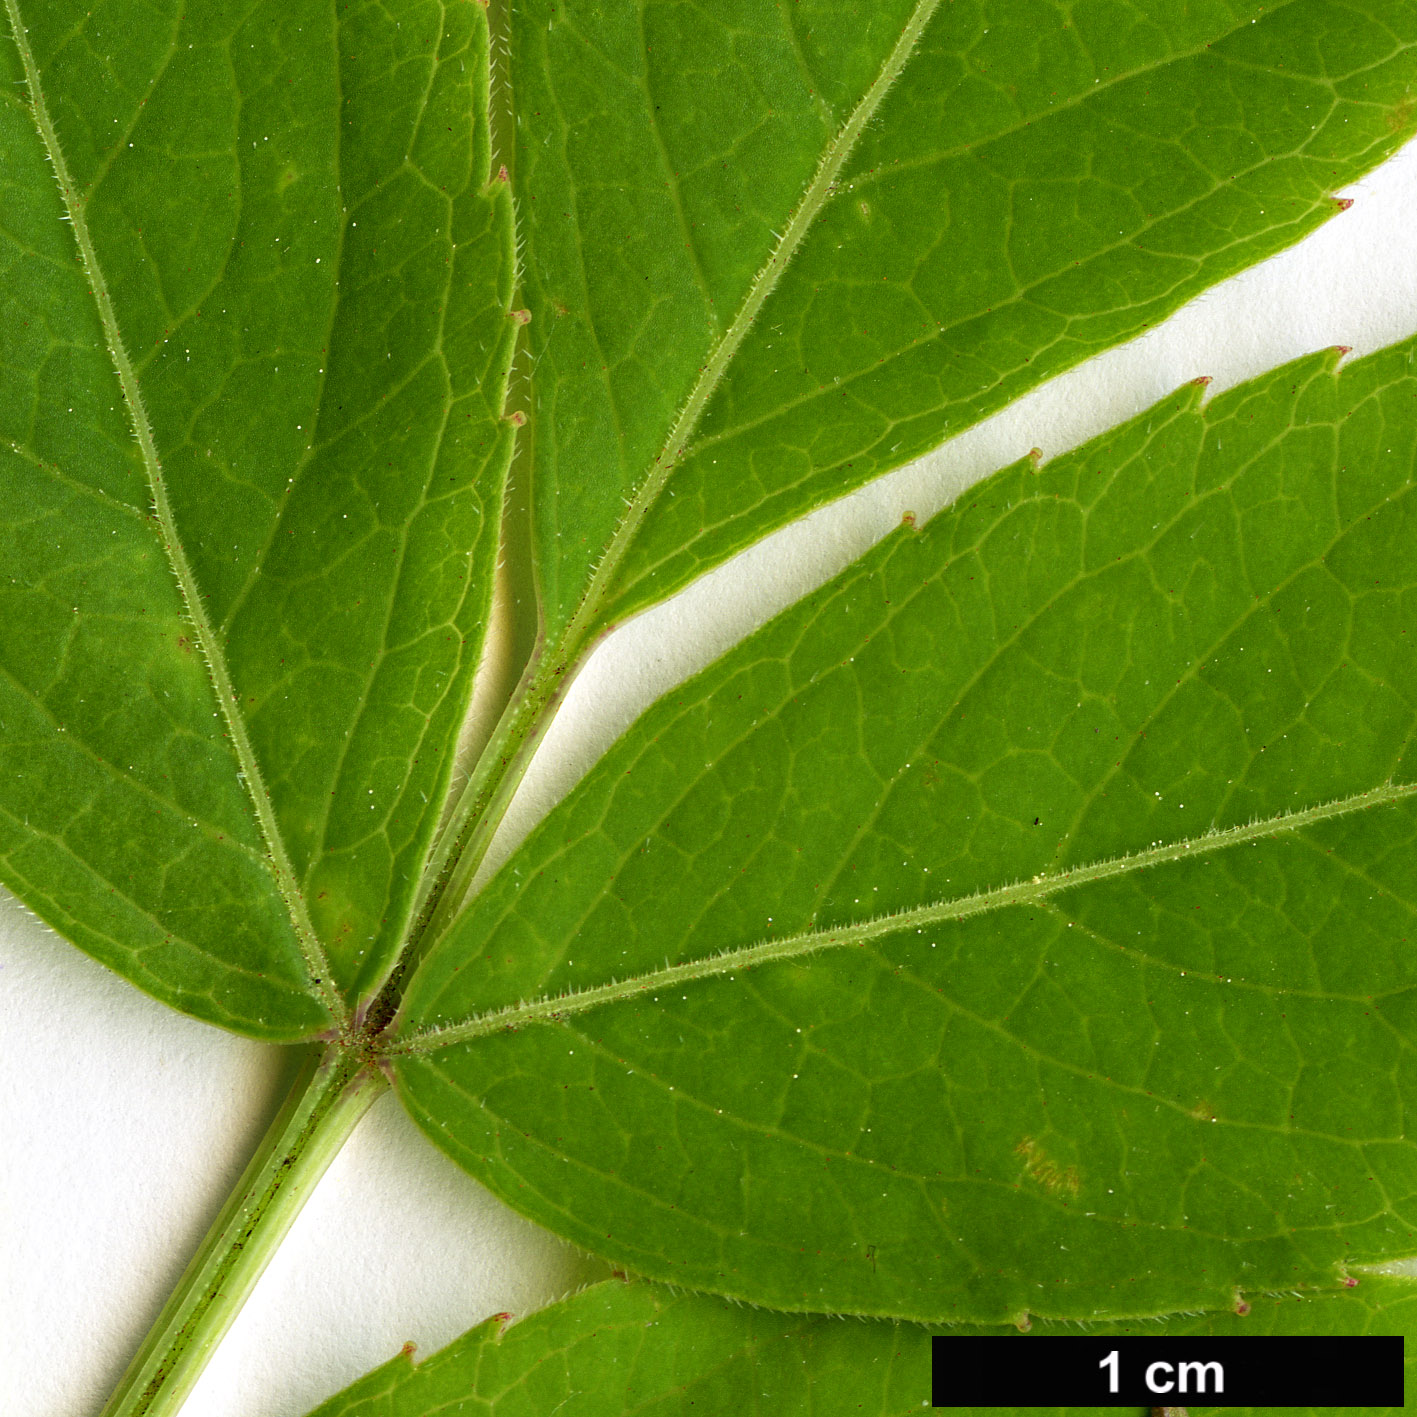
814, 198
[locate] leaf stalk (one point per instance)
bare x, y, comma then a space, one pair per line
479, 810
332, 1093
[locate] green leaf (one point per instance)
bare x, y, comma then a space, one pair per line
773, 251
1016, 925
259, 269
251, 455
635, 1348
620, 1348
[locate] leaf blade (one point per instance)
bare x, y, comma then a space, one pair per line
236, 966
919, 720
633, 1348
312, 951
841, 377
320, 423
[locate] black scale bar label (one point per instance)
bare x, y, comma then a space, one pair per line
1136, 1371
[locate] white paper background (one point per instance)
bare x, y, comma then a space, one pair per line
125, 1124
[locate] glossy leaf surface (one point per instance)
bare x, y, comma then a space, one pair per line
775, 250
251, 452
618, 1349
1019, 924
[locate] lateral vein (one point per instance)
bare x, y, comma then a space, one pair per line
316, 961
552, 1009
821, 187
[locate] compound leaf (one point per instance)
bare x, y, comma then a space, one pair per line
862, 976
252, 356
1020, 924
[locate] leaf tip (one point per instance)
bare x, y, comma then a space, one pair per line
517, 419
522, 317
1341, 204
1022, 1322
908, 519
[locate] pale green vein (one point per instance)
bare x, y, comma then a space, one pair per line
278, 860
1088, 96
83, 489
484, 796
1032, 891
819, 190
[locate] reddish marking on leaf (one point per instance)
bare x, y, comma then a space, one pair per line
517, 419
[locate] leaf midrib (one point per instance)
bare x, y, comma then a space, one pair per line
814, 198
278, 861
552, 1008
823, 186
690, 448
